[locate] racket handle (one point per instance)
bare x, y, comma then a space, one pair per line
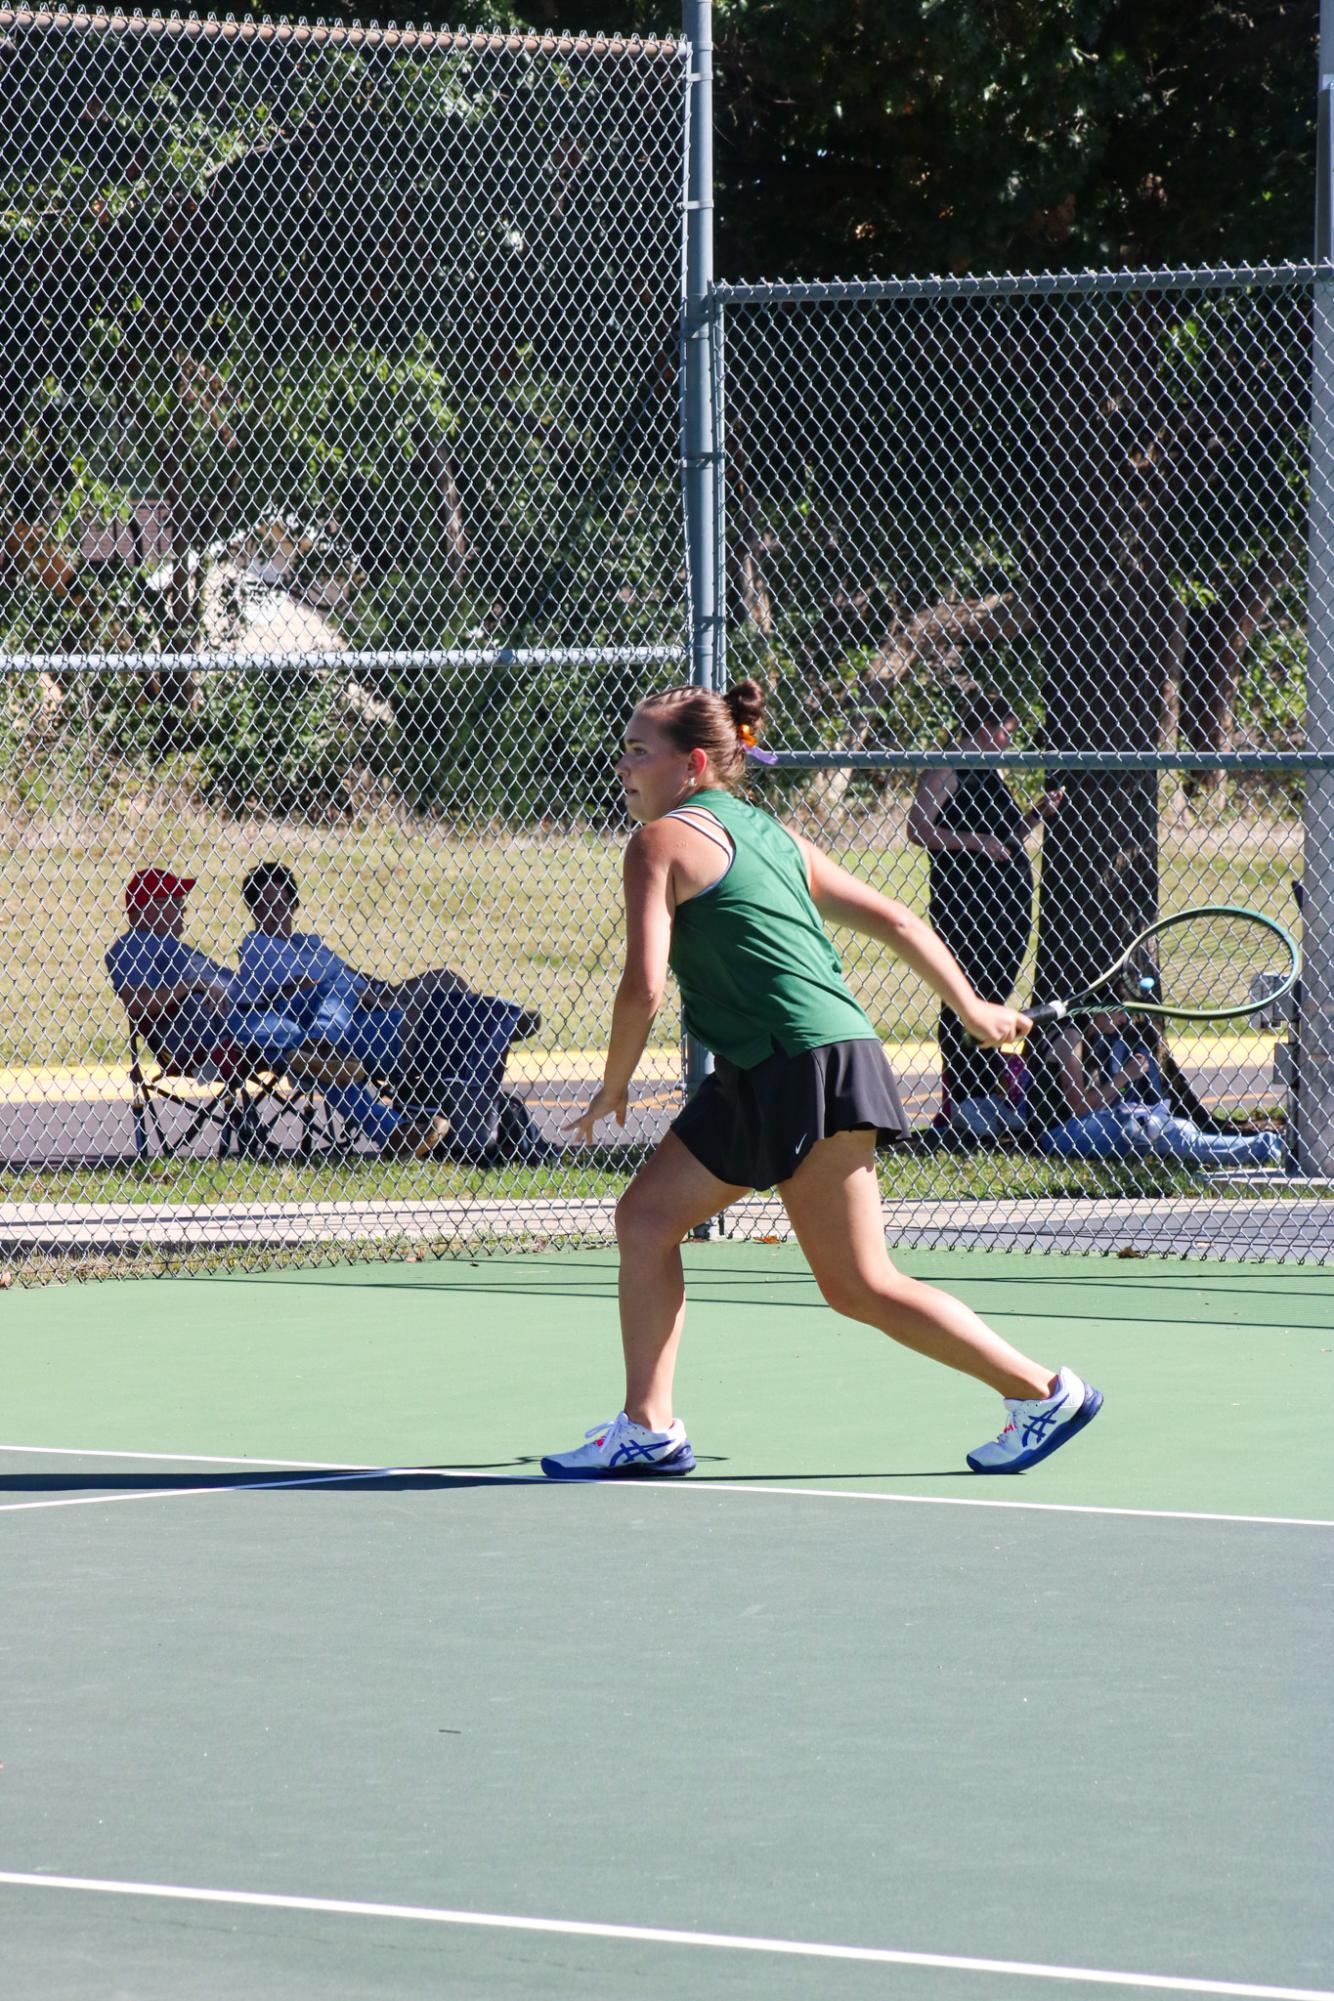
1048, 1011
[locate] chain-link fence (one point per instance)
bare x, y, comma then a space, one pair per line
1024, 563
341, 437
341, 520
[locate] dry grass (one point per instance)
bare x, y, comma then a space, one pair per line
535, 916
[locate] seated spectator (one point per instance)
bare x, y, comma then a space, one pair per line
1100, 1091
195, 1017
296, 970
176, 997
431, 1037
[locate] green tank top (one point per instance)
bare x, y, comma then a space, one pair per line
755, 966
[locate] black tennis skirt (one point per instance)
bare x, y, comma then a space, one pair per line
755, 1127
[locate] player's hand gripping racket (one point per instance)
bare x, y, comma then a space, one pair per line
1214, 963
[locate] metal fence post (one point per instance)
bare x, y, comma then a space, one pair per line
699, 444
1311, 1102
699, 404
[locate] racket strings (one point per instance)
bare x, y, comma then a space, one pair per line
1209, 964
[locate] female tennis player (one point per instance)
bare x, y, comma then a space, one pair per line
800, 1094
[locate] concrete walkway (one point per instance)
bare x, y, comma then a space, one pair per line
1292, 1221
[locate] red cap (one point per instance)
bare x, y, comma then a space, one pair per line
155, 885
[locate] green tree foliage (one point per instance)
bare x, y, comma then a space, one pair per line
343, 377
883, 137
972, 135
224, 316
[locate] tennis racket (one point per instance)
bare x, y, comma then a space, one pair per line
1214, 963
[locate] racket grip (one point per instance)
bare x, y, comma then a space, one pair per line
1048, 1011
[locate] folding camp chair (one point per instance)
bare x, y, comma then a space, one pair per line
251, 1104
457, 1069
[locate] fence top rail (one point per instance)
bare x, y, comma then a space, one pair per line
318, 34
1111, 761
349, 662
1002, 285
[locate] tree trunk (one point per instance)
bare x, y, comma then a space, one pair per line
173, 690
749, 602
1109, 620
440, 497
1217, 637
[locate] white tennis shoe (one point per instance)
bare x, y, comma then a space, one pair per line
1038, 1425
622, 1450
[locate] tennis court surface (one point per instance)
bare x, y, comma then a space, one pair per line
310, 1686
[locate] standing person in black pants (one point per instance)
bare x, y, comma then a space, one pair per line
974, 831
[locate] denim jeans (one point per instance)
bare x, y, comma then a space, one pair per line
373, 1035
1127, 1132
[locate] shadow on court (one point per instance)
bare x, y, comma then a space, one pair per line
357, 1481
419, 1481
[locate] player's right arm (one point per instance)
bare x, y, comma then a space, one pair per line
647, 883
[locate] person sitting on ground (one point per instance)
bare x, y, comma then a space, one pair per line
429, 1037
192, 1011
1100, 1091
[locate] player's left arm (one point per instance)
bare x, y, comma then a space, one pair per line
845, 899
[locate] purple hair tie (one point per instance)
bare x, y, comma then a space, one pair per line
752, 749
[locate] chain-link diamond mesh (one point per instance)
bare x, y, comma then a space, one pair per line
1024, 567
340, 455
341, 522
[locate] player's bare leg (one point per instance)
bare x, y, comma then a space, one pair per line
833, 1201
667, 1198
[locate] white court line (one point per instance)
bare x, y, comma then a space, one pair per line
346, 1472
962, 1501
335, 1472
653, 1935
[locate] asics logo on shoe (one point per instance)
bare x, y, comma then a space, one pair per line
1036, 1428
613, 1451
631, 1449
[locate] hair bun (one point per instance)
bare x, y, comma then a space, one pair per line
745, 705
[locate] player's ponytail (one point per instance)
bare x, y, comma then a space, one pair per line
725, 727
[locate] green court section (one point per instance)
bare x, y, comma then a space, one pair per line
1077, 1740
769, 1702
1219, 1379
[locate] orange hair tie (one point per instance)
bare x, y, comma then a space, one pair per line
746, 738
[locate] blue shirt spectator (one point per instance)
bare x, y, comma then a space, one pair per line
143, 958
430, 1036
297, 971
271, 964
176, 997
195, 1013
303, 976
